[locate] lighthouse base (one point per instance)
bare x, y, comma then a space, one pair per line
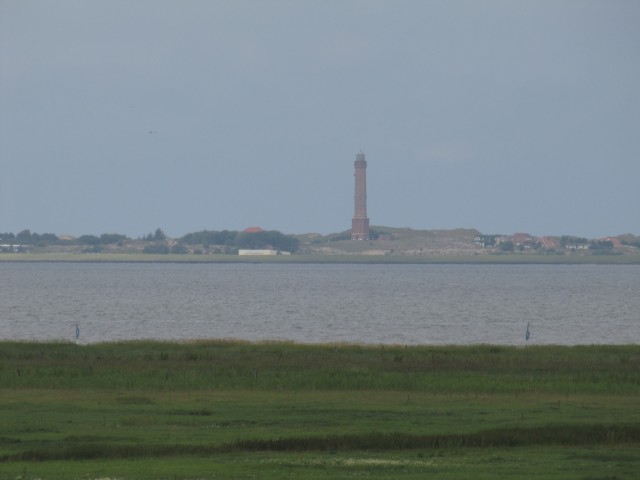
360, 229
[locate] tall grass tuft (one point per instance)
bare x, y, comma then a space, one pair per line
512, 437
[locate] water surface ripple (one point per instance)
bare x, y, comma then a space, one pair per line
376, 304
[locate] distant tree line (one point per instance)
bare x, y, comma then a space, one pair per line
230, 240
157, 236
630, 240
104, 239
209, 237
25, 237
601, 245
246, 240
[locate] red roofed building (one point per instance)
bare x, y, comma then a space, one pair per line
548, 243
615, 242
253, 230
523, 240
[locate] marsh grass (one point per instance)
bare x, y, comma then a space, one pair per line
87, 448
289, 366
239, 404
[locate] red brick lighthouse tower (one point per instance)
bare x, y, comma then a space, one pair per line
360, 222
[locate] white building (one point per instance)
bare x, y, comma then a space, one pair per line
262, 252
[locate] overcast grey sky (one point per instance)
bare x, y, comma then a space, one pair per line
124, 116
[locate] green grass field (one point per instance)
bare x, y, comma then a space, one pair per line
201, 410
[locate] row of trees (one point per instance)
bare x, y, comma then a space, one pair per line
209, 237
246, 240
630, 240
25, 237
230, 240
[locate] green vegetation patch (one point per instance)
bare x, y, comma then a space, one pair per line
283, 410
288, 366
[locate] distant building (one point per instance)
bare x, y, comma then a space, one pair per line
615, 242
485, 240
262, 252
253, 230
11, 248
550, 243
523, 240
360, 222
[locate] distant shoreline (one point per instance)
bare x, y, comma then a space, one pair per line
487, 259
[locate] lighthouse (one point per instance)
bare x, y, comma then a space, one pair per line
360, 222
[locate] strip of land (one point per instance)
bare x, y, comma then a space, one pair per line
489, 259
387, 245
221, 409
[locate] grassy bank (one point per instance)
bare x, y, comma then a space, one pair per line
282, 410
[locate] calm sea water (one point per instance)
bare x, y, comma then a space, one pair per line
390, 304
